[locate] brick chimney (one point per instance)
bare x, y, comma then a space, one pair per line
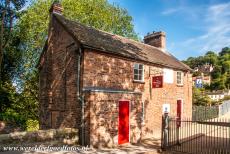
56, 7
156, 39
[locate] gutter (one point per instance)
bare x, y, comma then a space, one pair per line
80, 97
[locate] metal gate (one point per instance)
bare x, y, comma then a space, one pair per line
196, 137
224, 108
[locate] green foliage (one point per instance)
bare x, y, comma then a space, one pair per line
9, 12
99, 14
17, 107
32, 125
194, 62
5, 100
19, 104
211, 58
221, 63
199, 98
225, 98
225, 51
196, 74
201, 113
12, 59
13, 117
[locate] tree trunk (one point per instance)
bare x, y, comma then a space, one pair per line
1, 36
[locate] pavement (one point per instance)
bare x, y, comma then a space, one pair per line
147, 146
227, 115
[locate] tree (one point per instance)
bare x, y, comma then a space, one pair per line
199, 98
8, 13
221, 63
30, 33
226, 66
195, 61
211, 58
96, 13
10, 55
225, 51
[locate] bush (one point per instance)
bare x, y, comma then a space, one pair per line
200, 113
13, 117
32, 125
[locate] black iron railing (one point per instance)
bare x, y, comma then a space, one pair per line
200, 113
187, 136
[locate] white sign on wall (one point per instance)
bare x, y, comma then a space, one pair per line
166, 108
168, 75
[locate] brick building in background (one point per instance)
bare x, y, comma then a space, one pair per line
111, 88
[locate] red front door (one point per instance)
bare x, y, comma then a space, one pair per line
179, 111
179, 107
123, 130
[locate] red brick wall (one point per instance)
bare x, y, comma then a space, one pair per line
102, 117
111, 72
58, 73
59, 106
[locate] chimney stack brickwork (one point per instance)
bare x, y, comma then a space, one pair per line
56, 8
156, 39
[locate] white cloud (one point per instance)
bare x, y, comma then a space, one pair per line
171, 11
216, 30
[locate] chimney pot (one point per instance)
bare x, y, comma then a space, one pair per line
156, 39
56, 7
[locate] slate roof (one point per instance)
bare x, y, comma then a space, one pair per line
113, 44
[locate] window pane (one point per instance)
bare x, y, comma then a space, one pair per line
140, 77
179, 77
135, 66
140, 66
140, 72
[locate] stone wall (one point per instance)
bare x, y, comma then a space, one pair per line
101, 70
64, 136
103, 113
59, 105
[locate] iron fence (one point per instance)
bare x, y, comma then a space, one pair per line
224, 108
197, 137
200, 113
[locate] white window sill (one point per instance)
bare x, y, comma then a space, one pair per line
138, 81
143, 124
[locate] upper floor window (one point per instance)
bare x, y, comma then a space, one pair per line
138, 72
179, 77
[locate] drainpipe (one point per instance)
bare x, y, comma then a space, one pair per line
79, 96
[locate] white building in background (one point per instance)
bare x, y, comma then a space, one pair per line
218, 95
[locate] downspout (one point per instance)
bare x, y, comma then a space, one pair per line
79, 95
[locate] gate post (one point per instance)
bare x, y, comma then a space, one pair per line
178, 125
165, 131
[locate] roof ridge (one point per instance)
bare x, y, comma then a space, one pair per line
125, 45
110, 33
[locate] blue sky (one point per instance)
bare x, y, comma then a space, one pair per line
192, 27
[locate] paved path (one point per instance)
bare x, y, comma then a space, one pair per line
148, 146
227, 115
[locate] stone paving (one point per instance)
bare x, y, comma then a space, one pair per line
148, 146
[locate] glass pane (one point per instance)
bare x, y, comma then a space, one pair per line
140, 72
140, 77
135, 77
135, 71
135, 66
140, 66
